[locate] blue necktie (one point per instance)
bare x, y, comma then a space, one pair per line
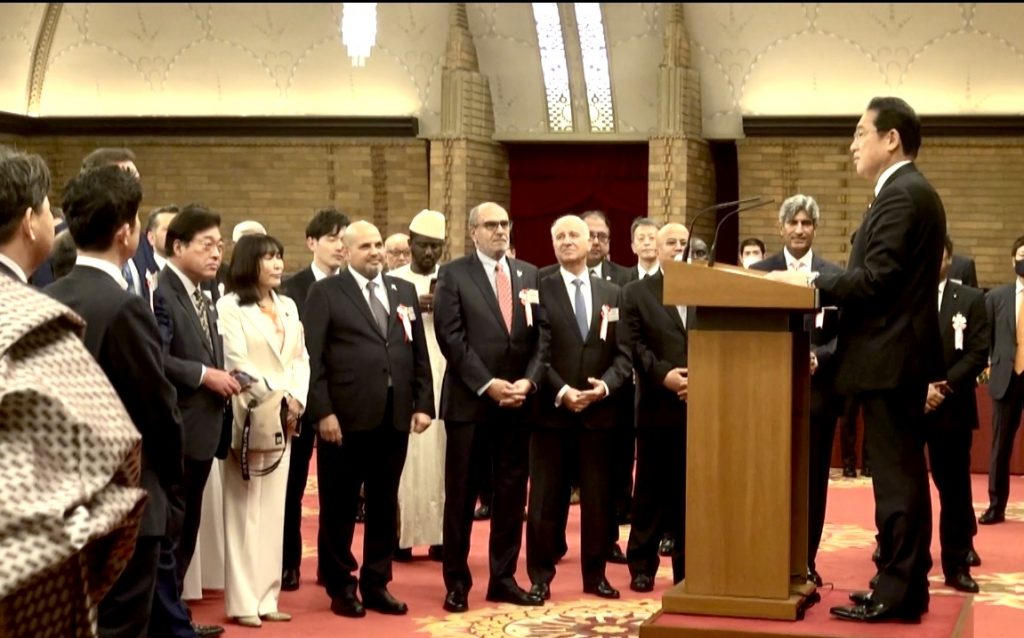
581, 309
127, 272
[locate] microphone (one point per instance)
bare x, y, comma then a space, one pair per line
700, 213
714, 240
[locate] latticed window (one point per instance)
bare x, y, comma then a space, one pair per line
595, 66
556, 73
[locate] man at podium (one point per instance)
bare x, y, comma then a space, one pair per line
889, 349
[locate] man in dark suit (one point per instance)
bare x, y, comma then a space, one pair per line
655, 335
584, 365
121, 333
951, 412
963, 271
889, 349
484, 308
26, 223
798, 222
1006, 382
324, 235
370, 385
151, 257
194, 362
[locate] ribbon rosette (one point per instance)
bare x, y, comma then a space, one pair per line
959, 325
605, 311
406, 314
528, 297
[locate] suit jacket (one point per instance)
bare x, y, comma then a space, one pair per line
43, 275
960, 409
121, 334
1001, 307
888, 328
250, 346
185, 354
823, 340
570, 360
473, 339
963, 271
610, 271
297, 287
351, 360
654, 335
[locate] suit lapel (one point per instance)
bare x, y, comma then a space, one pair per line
254, 316
597, 301
393, 303
190, 310
556, 286
351, 288
518, 314
658, 288
1011, 312
479, 277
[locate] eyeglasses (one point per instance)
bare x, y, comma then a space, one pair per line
492, 226
208, 246
601, 238
394, 252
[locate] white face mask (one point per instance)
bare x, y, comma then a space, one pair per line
750, 260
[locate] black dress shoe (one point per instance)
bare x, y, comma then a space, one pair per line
876, 612
204, 631
513, 594
876, 555
849, 471
290, 580
482, 513
873, 583
617, 556
962, 581
541, 590
602, 589
666, 546
991, 517
347, 605
436, 553
866, 471
861, 597
361, 511
973, 560
814, 577
455, 602
403, 555
642, 583
383, 602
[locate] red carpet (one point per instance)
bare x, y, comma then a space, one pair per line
844, 561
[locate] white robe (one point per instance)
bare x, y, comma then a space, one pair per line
421, 489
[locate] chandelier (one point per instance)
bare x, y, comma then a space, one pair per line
358, 29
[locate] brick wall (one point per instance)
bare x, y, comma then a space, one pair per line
277, 181
980, 180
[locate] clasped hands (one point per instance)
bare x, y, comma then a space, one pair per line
937, 393
508, 394
677, 380
577, 400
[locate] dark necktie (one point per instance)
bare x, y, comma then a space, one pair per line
377, 309
581, 309
202, 309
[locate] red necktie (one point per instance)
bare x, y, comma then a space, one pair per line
504, 287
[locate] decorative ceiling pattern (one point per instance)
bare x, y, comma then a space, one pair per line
288, 59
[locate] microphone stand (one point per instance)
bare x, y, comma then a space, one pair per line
714, 239
701, 212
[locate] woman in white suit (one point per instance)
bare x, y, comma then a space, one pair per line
263, 338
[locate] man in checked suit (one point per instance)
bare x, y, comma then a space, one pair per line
1006, 382
324, 235
485, 308
584, 364
194, 362
951, 411
798, 221
101, 206
370, 385
655, 335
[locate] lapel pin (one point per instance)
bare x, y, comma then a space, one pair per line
394, 287
519, 273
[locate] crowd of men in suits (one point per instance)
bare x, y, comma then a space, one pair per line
555, 376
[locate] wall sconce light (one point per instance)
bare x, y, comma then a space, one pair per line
358, 30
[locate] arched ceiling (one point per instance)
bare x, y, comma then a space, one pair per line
288, 59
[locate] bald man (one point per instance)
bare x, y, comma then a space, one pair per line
396, 251
370, 385
655, 335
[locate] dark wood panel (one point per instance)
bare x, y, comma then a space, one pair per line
843, 125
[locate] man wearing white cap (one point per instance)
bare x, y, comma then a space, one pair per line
247, 227
421, 490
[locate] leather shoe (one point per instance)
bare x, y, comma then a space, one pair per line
541, 590
814, 577
513, 594
602, 589
973, 560
455, 602
617, 556
991, 517
849, 471
962, 581
347, 605
642, 583
249, 621
873, 583
383, 602
482, 513
403, 555
290, 580
866, 471
861, 597
876, 612
666, 546
204, 631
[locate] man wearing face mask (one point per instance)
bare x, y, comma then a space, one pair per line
752, 250
1006, 383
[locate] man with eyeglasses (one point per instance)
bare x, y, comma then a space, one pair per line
396, 251
485, 318
194, 362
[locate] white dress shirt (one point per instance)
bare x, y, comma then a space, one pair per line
319, 274
942, 289
595, 271
641, 273
489, 265
378, 292
887, 173
588, 302
798, 265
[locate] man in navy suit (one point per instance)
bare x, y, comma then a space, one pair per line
951, 411
484, 317
889, 349
798, 222
1006, 382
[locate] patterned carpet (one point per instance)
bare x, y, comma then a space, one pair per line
844, 561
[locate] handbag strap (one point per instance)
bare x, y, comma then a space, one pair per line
243, 453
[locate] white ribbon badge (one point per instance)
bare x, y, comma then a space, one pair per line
406, 314
959, 325
608, 314
529, 297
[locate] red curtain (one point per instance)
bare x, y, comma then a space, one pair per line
551, 180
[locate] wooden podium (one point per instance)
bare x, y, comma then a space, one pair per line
747, 444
